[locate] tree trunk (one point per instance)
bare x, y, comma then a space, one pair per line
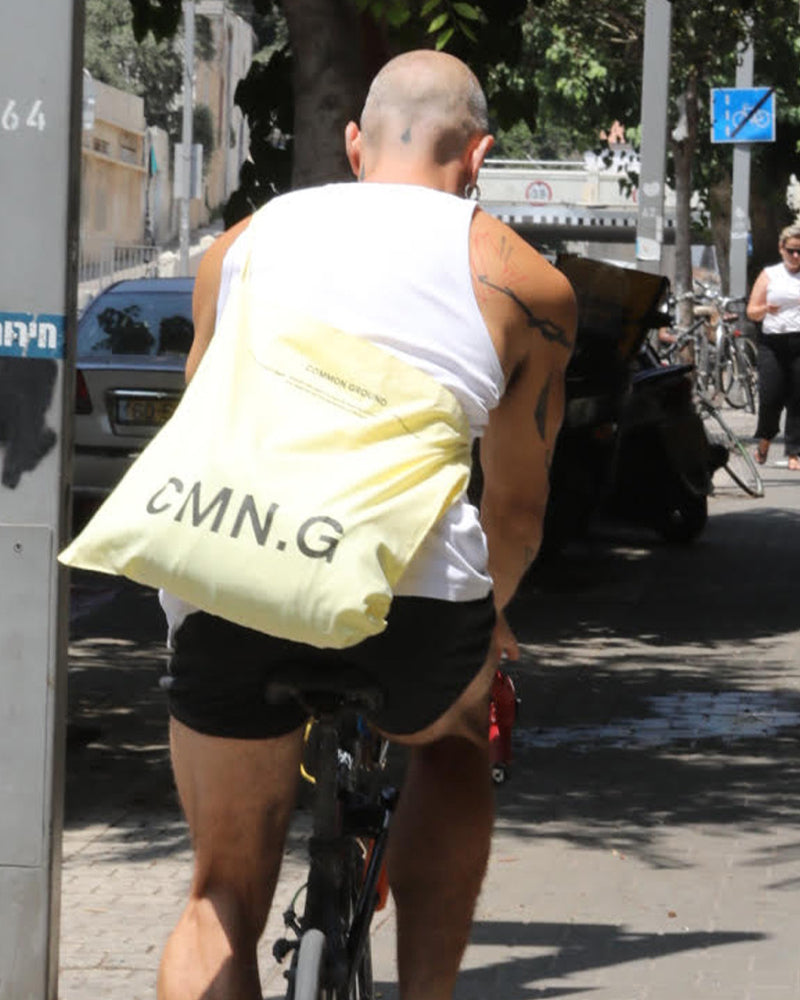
720, 210
329, 85
683, 152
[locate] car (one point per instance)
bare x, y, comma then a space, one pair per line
131, 351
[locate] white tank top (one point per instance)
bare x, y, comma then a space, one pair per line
406, 250
783, 289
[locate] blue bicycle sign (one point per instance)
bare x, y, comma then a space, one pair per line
743, 114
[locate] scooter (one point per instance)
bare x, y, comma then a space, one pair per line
631, 443
664, 464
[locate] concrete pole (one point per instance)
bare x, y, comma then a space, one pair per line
655, 107
740, 197
41, 46
186, 137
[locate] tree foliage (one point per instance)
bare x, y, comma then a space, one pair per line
150, 68
588, 68
286, 105
556, 73
485, 35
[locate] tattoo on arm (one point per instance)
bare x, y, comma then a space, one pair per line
549, 330
541, 409
406, 136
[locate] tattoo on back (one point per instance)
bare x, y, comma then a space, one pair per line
549, 330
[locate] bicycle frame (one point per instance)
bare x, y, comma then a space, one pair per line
342, 888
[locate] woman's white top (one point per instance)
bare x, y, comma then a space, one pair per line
390, 263
783, 290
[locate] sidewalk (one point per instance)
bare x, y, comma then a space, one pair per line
648, 843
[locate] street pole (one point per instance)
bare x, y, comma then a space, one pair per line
40, 132
186, 136
655, 107
740, 195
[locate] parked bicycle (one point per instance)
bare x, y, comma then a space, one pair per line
725, 359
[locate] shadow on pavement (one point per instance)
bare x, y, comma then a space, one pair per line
117, 739
623, 637
656, 688
564, 949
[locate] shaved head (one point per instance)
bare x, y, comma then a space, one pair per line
424, 103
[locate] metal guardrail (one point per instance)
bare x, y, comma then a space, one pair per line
101, 263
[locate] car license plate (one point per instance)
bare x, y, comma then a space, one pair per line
145, 411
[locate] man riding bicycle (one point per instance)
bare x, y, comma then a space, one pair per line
405, 260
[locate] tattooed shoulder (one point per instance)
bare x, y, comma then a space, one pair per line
551, 331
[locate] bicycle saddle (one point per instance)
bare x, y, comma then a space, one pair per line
325, 691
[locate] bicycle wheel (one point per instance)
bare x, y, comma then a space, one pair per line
739, 465
737, 376
731, 382
705, 364
749, 356
307, 978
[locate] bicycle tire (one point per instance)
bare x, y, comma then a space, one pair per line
737, 377
308, 969
704, 364
739, 465
749, 354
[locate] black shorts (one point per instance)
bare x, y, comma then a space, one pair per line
422, 662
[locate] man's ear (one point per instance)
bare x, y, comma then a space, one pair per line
478, 152
352, 145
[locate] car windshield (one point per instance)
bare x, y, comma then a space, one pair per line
152, 323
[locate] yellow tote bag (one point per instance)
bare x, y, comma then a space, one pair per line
293, 484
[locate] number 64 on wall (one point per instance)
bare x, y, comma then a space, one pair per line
14, 116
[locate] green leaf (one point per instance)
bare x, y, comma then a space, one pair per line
466, 30
438, 22
443, 38
428, 7
467, 11
397, 16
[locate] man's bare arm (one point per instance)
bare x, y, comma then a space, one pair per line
206, 290
535, 306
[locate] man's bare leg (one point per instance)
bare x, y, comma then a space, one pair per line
238, 797
439, 845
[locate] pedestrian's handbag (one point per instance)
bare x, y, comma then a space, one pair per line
292, 486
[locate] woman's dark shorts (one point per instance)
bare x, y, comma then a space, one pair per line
422, 662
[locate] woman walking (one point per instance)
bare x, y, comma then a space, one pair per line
775, 303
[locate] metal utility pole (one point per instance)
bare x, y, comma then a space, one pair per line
740, 196
186, 137
655, 102
41, 48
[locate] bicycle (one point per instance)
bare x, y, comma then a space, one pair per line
351, 811
738, 464
736, 375
692, 343
724, 358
